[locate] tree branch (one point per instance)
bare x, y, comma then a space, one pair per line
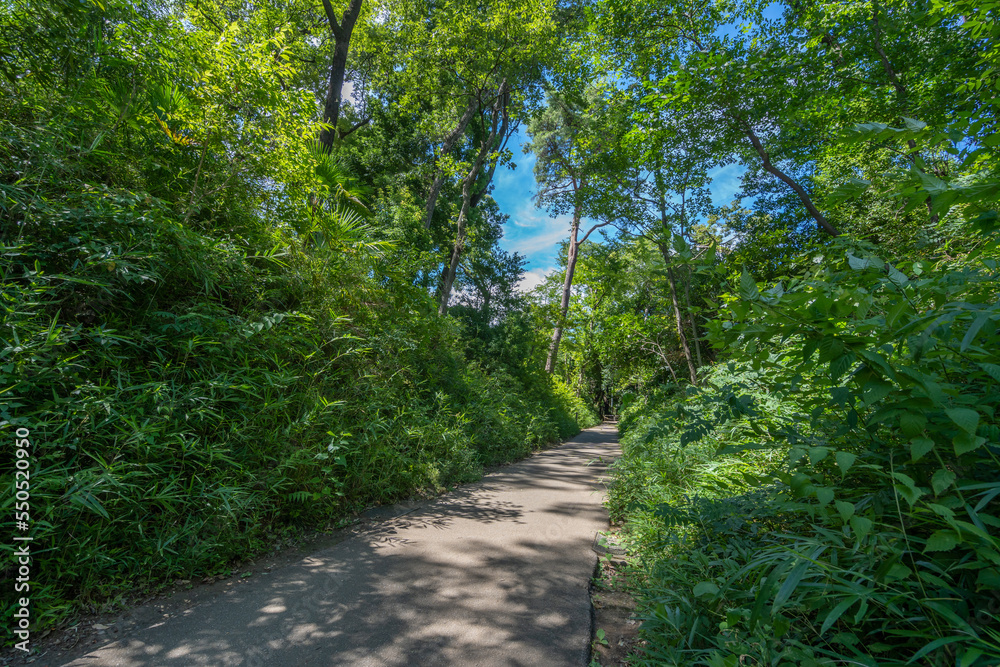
356, 126
786, 179
589, 231
886, 65
331, 16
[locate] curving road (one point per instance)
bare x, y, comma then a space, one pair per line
495, 573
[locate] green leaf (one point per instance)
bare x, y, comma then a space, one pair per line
748, 288
781, 626
841, 365
989, 578
875, 391
966, 419
830, 348
893, 315
844, 461
942, 540
992, 370
941, 510
899, 278
919, 447
836, 613
912, 423
824, 495
763, 595
846, 510
941, 480
877, 360
932, 184
817, 454
705, 588
789, 585
857, 263
974, 328
86, 499
851, 189
861, 526
967, 442
969, 657
908, 489
934, 645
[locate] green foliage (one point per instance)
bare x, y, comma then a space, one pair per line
872, 537
210, 333
828, 495
181, 421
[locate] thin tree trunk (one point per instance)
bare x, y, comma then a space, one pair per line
658, 351
338, 67
680, 325
456, 251
432, 197
671, 369
456, 255
550, 362
902, 92
447, 144
690, 316
664, 250
500, 124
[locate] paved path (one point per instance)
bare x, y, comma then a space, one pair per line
495, 573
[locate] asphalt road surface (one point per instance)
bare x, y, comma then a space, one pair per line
495, 573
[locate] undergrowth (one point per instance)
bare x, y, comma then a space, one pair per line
831, 498
202, 377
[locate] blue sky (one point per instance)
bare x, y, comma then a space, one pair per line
534, 233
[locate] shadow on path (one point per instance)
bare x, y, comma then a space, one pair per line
495, 573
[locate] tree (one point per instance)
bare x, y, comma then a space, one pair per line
779, 94
468, 72
570, 138
494, 132
341, 31
671, 186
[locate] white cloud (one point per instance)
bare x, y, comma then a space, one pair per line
523, 176
532, 279
538, 232
530, 232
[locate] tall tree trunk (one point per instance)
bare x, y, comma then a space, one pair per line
499, 127
550, 362
432, 198
665, 251
447, 145
338, 67
692, 370
456, 252
690, 316
456, 255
